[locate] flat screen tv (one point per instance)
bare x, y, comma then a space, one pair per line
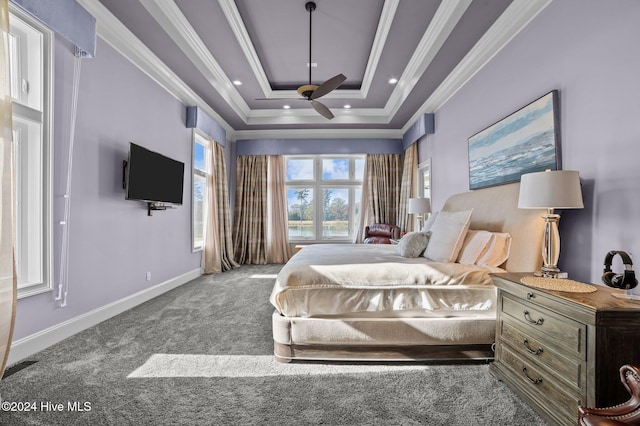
152, 177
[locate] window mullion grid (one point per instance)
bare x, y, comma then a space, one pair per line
318, 211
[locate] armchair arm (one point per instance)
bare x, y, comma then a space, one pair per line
592, 420
395, 232
627, 412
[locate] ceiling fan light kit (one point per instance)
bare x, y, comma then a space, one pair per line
307, 90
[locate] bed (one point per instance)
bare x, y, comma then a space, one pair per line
357, 302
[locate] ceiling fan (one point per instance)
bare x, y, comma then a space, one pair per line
311, 92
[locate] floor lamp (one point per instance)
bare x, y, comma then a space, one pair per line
419, 206
559, 189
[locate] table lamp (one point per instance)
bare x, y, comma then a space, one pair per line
559, 189
419, 206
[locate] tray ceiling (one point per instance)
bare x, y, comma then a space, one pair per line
197, 49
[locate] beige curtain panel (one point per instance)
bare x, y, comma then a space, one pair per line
250, 217
383, 179
408, 187
8, 279
364, 208
218, 247
278, 248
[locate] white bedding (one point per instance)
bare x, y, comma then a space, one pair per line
373, 280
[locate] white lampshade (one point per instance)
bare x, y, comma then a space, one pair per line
559, 189
419, 205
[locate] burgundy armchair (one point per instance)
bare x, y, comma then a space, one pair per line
627, 413
381, 233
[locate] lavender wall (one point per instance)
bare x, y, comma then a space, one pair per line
587, 49
113, 243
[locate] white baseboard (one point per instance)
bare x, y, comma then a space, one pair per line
27, 346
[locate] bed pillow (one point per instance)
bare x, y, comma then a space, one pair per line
473, 246
413, 244
497, 250
447, 235
429, 222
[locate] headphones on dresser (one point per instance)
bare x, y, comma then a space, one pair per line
625, 281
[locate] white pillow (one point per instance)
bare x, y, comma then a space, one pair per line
447, 235
497, 250
429, 222
473, 246
412, 244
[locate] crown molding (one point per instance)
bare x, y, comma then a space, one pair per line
513, 20
177, 26
310, 116
510, 23
439, 29
232, 14
118, 36
384, 25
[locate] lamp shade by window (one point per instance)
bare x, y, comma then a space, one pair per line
558, 189
419, 206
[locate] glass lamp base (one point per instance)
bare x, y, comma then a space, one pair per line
552, 274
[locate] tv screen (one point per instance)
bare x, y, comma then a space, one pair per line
153, 177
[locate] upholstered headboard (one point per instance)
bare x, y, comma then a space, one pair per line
496, 209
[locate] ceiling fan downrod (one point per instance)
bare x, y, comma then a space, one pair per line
310, 6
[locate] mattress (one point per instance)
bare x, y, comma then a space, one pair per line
372, 280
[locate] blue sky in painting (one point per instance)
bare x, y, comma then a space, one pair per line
534, 118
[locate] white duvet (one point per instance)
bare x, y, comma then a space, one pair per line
373, 280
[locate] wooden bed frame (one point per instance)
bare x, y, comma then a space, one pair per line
494, 209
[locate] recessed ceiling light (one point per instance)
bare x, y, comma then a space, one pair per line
393, 80
237, 83
286, 106
347, 106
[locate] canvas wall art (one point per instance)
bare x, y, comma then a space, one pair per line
526, 141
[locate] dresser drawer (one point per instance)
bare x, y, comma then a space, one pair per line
565, 366
551, 327
539, 384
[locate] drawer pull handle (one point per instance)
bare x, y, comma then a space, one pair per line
530, 295
527, 347
534, 381
531, 321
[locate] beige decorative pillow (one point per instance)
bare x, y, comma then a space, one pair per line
473, 246
413, 244
447, 235
497, 250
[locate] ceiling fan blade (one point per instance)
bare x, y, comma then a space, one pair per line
279, 99
322, 110
328, 86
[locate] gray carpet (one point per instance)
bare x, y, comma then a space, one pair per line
201, 354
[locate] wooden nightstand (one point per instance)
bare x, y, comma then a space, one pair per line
558, 350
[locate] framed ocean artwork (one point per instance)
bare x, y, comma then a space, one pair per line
526, 141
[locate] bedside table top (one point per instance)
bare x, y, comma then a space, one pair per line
600, 300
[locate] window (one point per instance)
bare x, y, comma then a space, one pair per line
323, 196
201, 161
424, 179
30, 52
